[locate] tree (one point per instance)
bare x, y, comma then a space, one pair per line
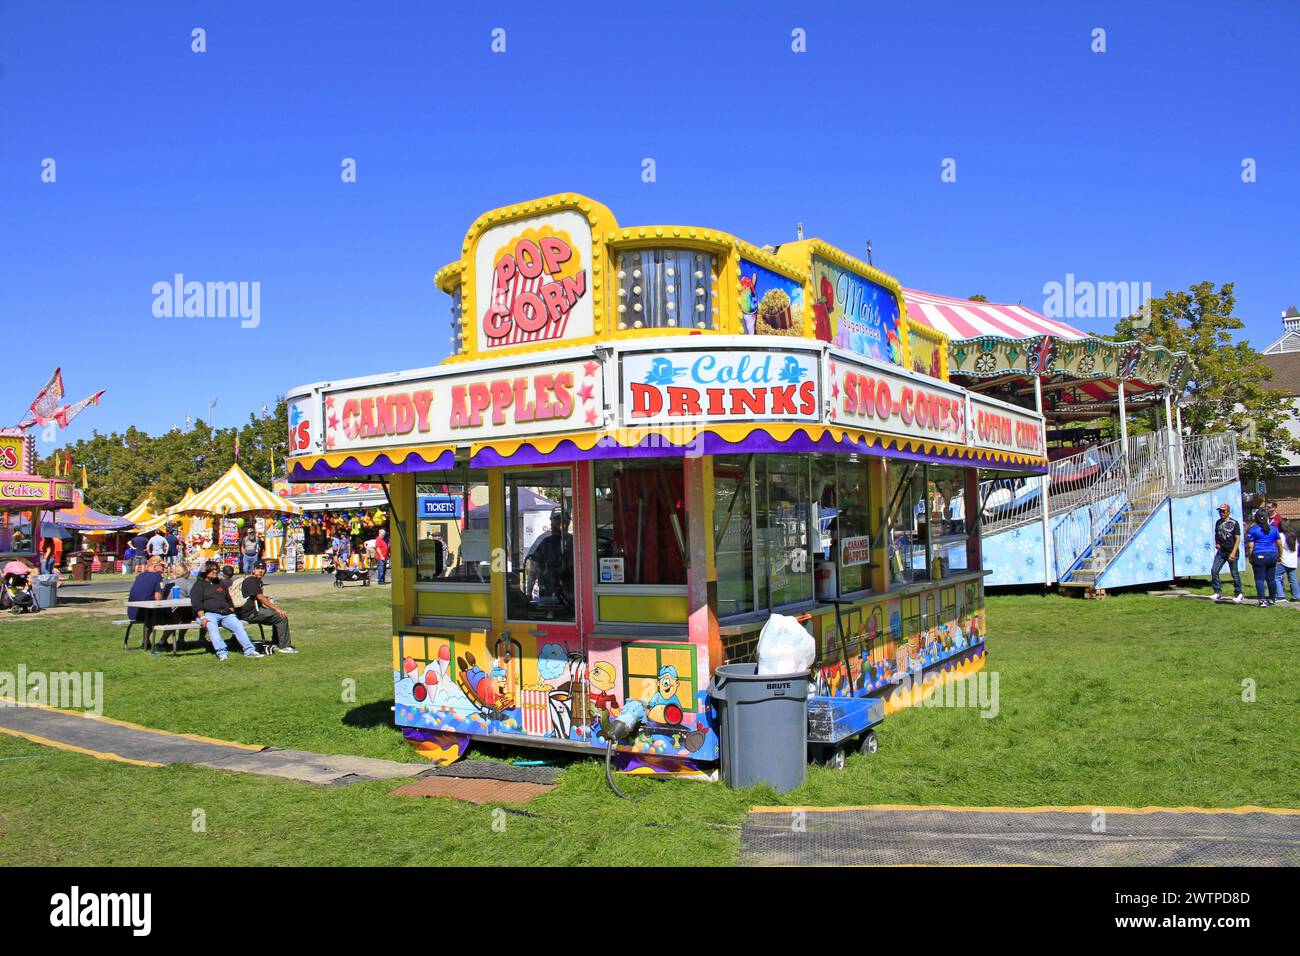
124, 469
979, 297
1229, 385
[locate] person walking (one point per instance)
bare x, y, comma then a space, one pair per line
1262, 549
1227, 545
258, 608
210, 598
248, 552
1287, 554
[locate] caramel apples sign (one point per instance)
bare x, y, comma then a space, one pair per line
533, 281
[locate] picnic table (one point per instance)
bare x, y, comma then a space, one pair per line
165, 616
168, 616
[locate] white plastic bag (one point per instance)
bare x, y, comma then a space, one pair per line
784, 647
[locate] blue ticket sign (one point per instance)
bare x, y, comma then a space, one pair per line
438, 506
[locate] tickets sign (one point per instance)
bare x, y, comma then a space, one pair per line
880, 400
533, 400
1006, 428
532, 281
723, 385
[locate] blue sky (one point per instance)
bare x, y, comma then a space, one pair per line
225, 165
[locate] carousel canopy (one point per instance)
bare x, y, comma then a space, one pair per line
236, 493
1000, 349
963, 319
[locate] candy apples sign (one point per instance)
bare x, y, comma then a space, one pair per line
720, 386
880, 400
533, 281
563, 396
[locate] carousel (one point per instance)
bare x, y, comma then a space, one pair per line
648, 440
1130, 497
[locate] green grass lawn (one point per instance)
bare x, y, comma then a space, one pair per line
1131, 701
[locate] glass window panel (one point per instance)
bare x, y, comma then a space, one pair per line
641, 519
733, 533
907, 536
783, 529
946, 506
539, 546
451, 527
852, 525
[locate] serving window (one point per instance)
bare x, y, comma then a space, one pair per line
842, 490
927, 521
640, 522
539, 545
775, 515
16, 535
451, 528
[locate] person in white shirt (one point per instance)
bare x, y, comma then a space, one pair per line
1287, 559
157, 546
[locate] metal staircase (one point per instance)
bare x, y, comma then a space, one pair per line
1150, 473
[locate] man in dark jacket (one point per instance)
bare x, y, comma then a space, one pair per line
260, 609
1227, 545
210, 598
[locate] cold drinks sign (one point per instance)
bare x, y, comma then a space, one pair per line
533, 281
723, 385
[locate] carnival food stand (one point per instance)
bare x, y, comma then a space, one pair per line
646, 441
24, 496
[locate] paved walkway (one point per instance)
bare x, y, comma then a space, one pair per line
108, 739
1020, 836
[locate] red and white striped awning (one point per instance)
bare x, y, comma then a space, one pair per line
963, 319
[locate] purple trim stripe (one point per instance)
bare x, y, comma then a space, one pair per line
383, 465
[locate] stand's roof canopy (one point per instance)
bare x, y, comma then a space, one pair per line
236, 493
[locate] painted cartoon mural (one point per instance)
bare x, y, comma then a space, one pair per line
455, 685
927, 638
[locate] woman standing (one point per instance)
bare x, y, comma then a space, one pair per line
1262, 549
1286, 560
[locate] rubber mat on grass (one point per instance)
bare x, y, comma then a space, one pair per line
1051, 836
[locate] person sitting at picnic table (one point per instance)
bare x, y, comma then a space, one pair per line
180, 578
147, 586
258, 608
210, 598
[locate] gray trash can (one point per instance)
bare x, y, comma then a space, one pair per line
46, 593
762, 725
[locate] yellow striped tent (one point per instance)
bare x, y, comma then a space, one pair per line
235, 493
